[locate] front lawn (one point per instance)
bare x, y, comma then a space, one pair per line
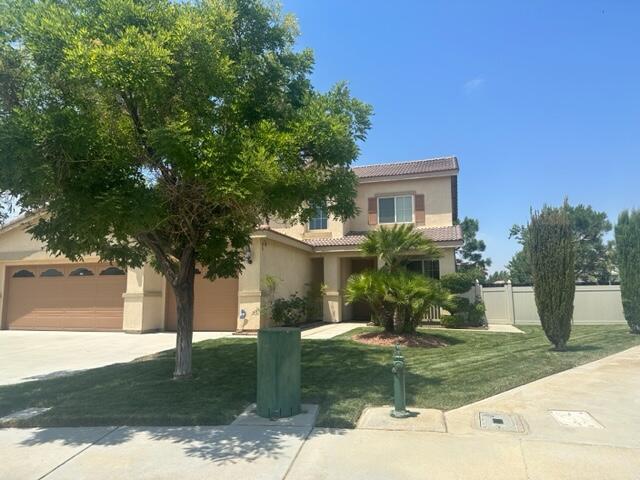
341, 375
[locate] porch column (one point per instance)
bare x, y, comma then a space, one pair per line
143, 301
332, 305
250, 316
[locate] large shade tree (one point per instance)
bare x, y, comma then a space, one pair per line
167, 131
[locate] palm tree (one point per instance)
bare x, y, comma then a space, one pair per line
371, 287
413, 295
393, 244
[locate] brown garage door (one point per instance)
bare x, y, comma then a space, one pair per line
65, 297
216, 305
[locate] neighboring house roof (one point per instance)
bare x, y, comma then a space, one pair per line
416, 167
437, 234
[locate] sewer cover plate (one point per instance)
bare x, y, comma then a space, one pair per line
575, 419
500, 421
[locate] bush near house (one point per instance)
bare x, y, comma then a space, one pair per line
464, 312
290, 311
552, 251
627, 234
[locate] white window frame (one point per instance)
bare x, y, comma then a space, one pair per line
395, 210
326, 218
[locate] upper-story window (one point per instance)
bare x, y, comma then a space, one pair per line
319, 219
427, 267
398, 209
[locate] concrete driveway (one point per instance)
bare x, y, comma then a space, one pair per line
32, 355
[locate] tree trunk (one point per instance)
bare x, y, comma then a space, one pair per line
388, 312
183, 290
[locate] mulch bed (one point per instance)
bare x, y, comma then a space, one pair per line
385, 339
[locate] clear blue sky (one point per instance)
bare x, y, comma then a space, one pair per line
538, 99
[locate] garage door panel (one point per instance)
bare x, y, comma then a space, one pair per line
53, 302
215, 305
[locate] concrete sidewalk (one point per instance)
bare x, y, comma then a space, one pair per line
608, 390
330, 330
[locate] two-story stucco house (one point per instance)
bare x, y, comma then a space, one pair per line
38, 291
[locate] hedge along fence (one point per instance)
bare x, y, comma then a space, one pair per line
593, 305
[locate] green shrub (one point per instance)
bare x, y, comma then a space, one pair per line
459, 282
552, 254
290, 311
468, 313
452, 321
628, 254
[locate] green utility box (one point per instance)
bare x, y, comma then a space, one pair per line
278, 372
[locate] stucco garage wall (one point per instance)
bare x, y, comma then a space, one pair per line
290, 265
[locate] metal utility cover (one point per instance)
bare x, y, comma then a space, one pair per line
500, 421
575, 419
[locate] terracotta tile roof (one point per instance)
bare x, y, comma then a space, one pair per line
431, 165
437, 234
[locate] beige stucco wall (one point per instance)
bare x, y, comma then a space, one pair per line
291, 266
335, 229
438, 207
447, 261
437, 198
144, 301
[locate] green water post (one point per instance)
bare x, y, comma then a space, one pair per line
399, 393
278, 372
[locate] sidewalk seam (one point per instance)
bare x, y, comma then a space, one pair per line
78, 453
524, 460
295, 457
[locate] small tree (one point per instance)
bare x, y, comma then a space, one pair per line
627, 233
470, 255
552, 252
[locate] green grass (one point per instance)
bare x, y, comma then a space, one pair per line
342, 376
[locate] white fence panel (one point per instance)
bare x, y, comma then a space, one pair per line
593, 305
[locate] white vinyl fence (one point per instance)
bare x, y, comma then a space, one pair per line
593, 305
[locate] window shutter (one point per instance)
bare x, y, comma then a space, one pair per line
419, 202
373, 211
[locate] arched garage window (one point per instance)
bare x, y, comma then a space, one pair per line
112, 271
81, 272
23, 274
52, 272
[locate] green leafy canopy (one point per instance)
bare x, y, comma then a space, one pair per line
166, 128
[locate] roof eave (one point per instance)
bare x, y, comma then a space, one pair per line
410, 176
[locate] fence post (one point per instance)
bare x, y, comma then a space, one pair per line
478, 291
508, 291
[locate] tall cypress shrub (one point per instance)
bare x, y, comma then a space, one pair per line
552, 254
627, 234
